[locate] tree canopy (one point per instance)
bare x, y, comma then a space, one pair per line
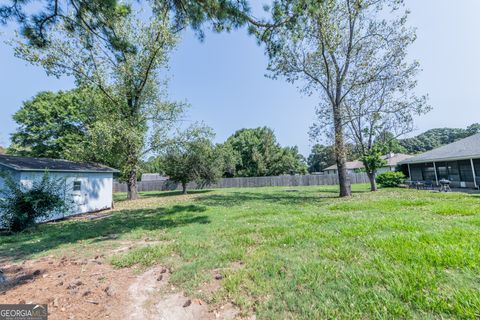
39, 18
53, 124
257, 153
192, 157
320, 158
437, 137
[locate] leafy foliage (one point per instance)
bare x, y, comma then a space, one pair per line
21, 206
437, 137
41, 19
52, 125
193, 157
320, 158
228, 158
391, 179
257, 153
373, 160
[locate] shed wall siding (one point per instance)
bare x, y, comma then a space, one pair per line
95, 193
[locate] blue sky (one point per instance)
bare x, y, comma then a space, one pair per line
223, 78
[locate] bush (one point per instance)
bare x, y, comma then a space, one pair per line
21, 206
390, 179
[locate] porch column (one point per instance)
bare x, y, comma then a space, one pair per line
473, 172
435, 169
409, 173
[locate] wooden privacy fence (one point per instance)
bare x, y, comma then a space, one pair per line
247, 182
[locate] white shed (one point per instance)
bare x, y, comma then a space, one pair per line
87, 186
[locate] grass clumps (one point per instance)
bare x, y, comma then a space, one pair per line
395, 253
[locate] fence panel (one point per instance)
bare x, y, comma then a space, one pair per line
247, 182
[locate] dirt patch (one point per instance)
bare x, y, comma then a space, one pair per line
152, 297
73, 289
92, 289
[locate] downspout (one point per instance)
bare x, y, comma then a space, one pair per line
473, 172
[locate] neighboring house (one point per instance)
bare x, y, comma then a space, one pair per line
87, 186
153, 177
458, 162
357, 165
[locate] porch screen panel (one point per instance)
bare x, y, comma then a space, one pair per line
476, 165
442, 170
428, 172
453, 172
465, 168
416, 172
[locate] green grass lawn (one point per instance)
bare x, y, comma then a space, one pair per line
302, 254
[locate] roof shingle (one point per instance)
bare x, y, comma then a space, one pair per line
462, 149
42, 164
391, 161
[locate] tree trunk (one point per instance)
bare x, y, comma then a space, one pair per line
340, 155
373, 181
132, 186
184, 187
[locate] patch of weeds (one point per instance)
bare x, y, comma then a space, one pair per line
145, 256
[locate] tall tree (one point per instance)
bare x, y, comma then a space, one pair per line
52, 124
387, 105
127, 73
326, 46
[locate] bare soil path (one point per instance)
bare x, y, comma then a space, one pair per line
92, 289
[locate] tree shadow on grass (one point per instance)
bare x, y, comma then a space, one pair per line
52, 235
283, 197
159, 194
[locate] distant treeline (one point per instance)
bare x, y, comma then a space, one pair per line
438, 137
322, 156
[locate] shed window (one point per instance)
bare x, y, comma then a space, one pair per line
77, 185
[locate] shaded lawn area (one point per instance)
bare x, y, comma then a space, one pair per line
304, 254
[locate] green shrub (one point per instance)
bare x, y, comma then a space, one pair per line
21, 206
390, 179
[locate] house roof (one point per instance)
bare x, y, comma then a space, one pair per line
351, 165
462, 149
58, 165
392, 161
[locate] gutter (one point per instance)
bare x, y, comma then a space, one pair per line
111, 170
439, 160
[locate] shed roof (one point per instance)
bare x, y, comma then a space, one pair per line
462, 149
392, 161
58, 165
